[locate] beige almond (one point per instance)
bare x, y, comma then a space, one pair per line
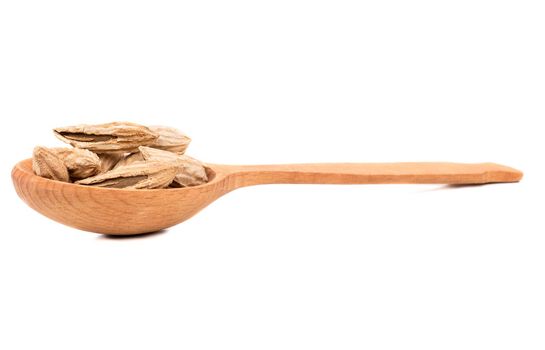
170, 139
81, 163
46, 164
191, 172
139, 175
107, 138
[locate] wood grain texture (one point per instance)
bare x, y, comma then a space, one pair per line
377, 173
124, 212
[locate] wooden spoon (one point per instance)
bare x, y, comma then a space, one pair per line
127, 212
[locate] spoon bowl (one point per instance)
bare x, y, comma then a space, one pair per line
128, 212
110, 210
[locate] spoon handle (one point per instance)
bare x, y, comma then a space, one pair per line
375, 173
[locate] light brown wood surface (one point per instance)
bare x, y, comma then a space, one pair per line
125, 212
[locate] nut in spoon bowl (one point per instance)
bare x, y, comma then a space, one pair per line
127, 212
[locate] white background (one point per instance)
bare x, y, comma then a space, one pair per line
285, 266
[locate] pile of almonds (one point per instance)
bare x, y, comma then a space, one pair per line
120, 155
